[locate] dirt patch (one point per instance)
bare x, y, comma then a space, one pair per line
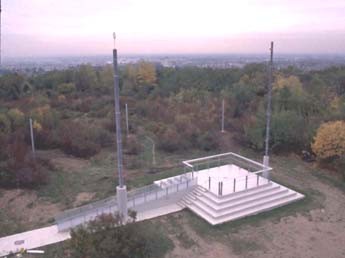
62, 161
82, 198
27, 207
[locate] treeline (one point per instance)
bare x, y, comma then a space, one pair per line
180, 108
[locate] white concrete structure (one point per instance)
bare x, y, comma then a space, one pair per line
229, 191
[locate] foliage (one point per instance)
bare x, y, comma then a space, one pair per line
16, 117
66, 88
83, 140
22, 169
329, 142
5, 124
108, 236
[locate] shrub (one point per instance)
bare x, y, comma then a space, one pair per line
208, 141
109, 237
5, 124
66, 88
329, 142
132, 145
21, 169
16, 117
78, 139
170, 140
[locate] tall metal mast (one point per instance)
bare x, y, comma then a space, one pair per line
268, 111
117, 116
121, 190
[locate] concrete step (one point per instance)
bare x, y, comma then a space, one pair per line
259, 209
246, 205
242, 201
231, 213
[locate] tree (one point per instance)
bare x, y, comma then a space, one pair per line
16, 117
66, 88
86, 78
108, 236
329, 142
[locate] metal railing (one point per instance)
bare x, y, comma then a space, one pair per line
222, 187
137, 197
231, 183
225, 159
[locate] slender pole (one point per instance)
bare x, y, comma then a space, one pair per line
269, 108
32, 139
153, 150
117, 118
223, 111
127, 126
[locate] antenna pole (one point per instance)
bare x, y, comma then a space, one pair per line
268, 112
127, 125
121, 190
32, 139
223, 111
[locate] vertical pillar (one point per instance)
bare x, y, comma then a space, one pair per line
32, 139
223, 111
266, 173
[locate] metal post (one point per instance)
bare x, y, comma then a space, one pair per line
127, 126
234, 190
154, 155
221, 188
32, 139
246, 182
257, 179
209, 183
268, 112
121, 190
223, 111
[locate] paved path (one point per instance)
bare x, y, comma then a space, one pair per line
50, 235
32, 239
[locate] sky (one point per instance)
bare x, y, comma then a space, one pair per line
85, 27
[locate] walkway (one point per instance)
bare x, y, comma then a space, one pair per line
50, 235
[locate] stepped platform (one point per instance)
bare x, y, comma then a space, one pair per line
230, 189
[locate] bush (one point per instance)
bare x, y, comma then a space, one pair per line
208, 141
329, 142
78, 139
21, 169
16, 117
66, 88
132, 145
109, 237
170, 140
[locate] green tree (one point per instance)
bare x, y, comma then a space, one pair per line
86, 78
66, 88
109, 237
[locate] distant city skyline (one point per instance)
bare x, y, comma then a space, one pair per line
54, 28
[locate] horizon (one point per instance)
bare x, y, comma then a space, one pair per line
80, 28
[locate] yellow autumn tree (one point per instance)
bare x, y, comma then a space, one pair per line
146, 73
292, 82
329, 141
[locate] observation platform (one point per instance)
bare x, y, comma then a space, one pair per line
228, 187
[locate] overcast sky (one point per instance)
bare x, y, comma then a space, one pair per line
84, 27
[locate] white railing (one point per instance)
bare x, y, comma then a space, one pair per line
137, 197
225, 159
